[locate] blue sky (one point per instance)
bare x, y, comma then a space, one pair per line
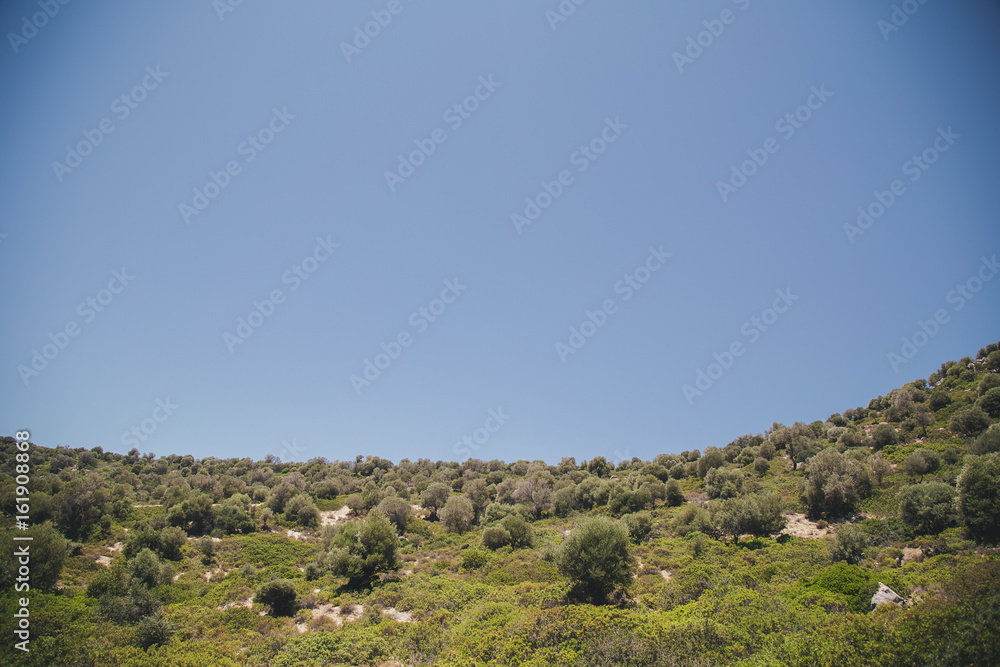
625, 121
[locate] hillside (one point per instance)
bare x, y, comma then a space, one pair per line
763, 551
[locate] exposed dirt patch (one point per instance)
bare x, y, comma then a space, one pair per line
117, 547
333, 517
666, 575
237, 603
103, 560
800, 526
398, 616
910, 555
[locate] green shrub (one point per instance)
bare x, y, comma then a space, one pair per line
927, 508
979, 496
495, 537
856, 584
279, 595
353, 645
598, 558
639, 525
473, 559
849, 544
675, 494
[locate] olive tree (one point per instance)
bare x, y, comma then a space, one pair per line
598, 557
457, 514
979, 496
834, 482
928, 508
362, 549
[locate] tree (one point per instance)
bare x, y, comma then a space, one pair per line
713, 458
146, 569
834, 482
988, 382
990, 402
879, 467
993, 361
47, 551
757, 515
969, 421
988, 442
478, 493
302, 510
434, 497
915, 465
923, 419
279, 595
521, 535
233, 516
495, 537
675, 494
979, 496
927, 508
397, 510
457, 514
883, 436
723, 482
599, 466
639, 525
849, 544
598, 557
362, 549
195, 515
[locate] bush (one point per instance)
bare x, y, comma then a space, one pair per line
693, 519
834, 482
48, 553
884, 436
927, 508
279, 595
856, 584
598, 558
521, 534
153, 631
639, 525
397, 510
969, 421
362, 549
990, 402
473, 559
988, 442
495, 537
979, 496
675, 494
302, 511
355, 644
457, 514
849, 544
757, 515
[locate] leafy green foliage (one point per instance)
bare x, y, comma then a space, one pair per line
47, 553
362, 549
279, 595
927, 508
979, 496
834, 483
854, 583
597, 556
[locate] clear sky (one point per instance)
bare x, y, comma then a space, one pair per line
675, 170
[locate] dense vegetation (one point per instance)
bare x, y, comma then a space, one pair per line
765, 551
